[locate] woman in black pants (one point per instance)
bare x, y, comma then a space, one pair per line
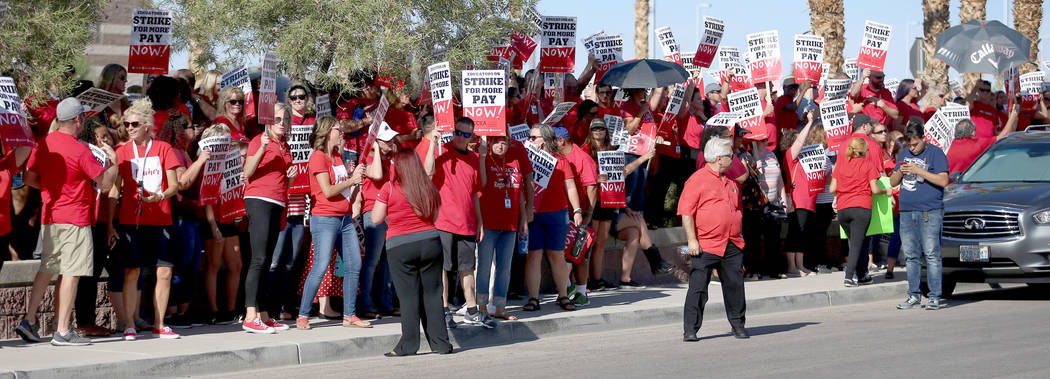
854, 180
269, 171
414, 253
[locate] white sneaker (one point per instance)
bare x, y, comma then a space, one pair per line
129, 334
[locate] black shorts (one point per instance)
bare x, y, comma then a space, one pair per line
227, 230
147, 246
459, 251
605, 214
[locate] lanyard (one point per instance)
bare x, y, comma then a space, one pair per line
141, 174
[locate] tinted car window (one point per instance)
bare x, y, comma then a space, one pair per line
1012, 163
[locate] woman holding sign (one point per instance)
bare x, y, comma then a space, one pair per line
269, 172
148, 180
231, 113
801, 223
550, 225
331, 222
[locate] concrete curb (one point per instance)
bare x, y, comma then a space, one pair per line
289, 353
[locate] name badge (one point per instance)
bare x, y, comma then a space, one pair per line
506, 202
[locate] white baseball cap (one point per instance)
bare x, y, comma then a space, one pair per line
386, 133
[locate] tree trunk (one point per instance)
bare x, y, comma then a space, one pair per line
1028, 14
641, 29
971, 10
826, 19
935, 21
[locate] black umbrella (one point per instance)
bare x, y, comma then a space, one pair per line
982, 47
645, 73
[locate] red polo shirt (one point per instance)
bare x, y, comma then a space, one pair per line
585, 173
965, 150
66, 168
987, 119
457, 177
873, 110
713, 201
852, 177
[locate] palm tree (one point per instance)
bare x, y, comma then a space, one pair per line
971, 10
935, 21
1027, 16
826, 20
641, 29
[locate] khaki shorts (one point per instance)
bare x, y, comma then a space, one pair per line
67, 250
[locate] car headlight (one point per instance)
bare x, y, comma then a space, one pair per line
1042, 217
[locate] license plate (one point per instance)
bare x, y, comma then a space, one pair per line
973, 253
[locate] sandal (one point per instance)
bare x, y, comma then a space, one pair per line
565, 303
532, 306
355, 322
302, 323
505, 316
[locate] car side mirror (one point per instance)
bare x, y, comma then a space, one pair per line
955, 177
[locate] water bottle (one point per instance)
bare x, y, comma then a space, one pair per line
523, 244
684, 250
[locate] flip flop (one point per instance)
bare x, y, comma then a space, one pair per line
505, 316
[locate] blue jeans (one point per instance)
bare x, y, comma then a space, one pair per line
635, 184
289, 247
375, 269
894, 249
921, 235
330, 232
498, 244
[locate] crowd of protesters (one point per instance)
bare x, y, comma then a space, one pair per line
396, 218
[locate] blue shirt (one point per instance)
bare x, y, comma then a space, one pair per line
917, 194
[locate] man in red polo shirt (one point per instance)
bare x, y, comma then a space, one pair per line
585, 176
876, 101
985, 116
711, 217
966, 146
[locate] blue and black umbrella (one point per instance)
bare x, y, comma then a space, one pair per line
979, 46
645, 73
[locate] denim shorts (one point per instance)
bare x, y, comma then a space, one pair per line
548, 230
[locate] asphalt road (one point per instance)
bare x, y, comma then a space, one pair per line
994, 333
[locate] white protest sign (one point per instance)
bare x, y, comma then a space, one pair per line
610, 164
749, 104
726, 119
99, 154
672, 52
809, 58
874, 45
440, 78
324, 105
940, 130
615, 128
957, 88
849, 67
557, 44
543, 164
588, 43
484, 99
14, 129
211, 177
892, 84
558, 113
763, 52
608, 50
267, 89
714, 28
520, 132
299, 146
835, 117
97, 99
836, 88
1031, 86
150, 46
812, 158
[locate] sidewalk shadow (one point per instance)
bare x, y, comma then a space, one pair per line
766, 329
996, 293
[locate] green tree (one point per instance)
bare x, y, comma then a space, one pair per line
40, 38
326, 40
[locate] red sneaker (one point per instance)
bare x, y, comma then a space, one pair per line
166, 333
129, 334
275, 325
257, 326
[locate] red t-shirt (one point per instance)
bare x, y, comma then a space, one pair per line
800, 194
852, 177
966, 150
871, 109
527, 112
555, 196
907, 111
345, 111
303, 120
421, 149
927, 114
458, 180
693, 130
7, 168
987, 119
403, 122
632, 110
150, 168
713, 201
874, 155
370, 187
41, 116
322, 205
505, 176
66, 168
585, 173
270, 180
236, 132
786, 119
400, 218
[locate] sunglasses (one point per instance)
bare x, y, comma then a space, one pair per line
985, 89
297, 97
604, 92
883, 131
593, 114
533, 138
463, 134
131, 124
235, 101
278, 120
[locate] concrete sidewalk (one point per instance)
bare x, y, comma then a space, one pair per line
218, 349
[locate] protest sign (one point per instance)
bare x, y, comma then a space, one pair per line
440, 78
613, 190
874, 45
849, 67
809, 58
957, 88
836, 122
608, 50
523, 45
892, 84
1031, 87
484, 97
520, 133
668, 129
97, 99
543, 164
672, 52
238, 77
231, 198
100, 155
763, 51
588, 43
940, 130
150, 46
324, 105
749, 104
1012, 85
641, 141
551, 89
378, 115
558, 113
213, 169
687, 62
729, 59
812, 159
619, 97
299, 146
267, 89
705, 51
558, 44
726, 119
836, 88
616, 130
14, 129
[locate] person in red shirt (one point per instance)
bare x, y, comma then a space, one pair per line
64, 170
400, 118
299, 98
409, 204
877, 102
985, 116
637, 116
711, 217
801, 227
12, 161
604, 94
354, 118
331, 221
579, 123
533, 106
374, 270
585, 178
231, 113
907, 103
862, 128
854, 180
148, 181
786, 106
966, 146
269, 171
550, 223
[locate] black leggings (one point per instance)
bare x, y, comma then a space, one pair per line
820, 223
855, 222
264, 224
415, 268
